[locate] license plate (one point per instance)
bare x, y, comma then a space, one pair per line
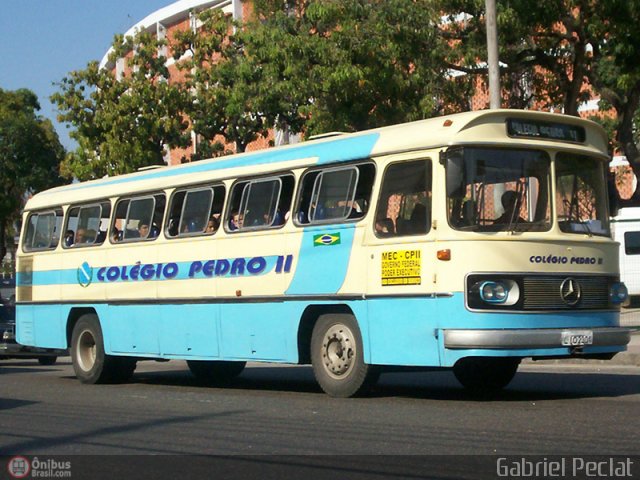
577, 338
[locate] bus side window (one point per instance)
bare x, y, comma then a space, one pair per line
138, 218
87, 224
195, 211
335, 194
260, 203
43, 230
404, 205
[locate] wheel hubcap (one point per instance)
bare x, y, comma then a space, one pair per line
338, 351
86, 351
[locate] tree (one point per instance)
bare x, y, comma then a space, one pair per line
349, 64
312, 66
545, 61
616, 75
30, 155
223, 85
122, 124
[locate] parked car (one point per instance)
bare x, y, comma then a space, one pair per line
9, 348
8, 291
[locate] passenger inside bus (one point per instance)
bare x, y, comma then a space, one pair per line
236, 221
384, 227
68, 238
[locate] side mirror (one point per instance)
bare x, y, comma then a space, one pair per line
455, 173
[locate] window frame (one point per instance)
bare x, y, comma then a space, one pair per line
80, 207
186, 190
332, 168
130, 199
279, 177
50, 211
428, 163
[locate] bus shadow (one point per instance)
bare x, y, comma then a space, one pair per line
526, 386
435, 385
285, 379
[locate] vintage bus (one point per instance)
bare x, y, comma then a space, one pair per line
468, 242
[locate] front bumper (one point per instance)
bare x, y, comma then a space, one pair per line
547, 338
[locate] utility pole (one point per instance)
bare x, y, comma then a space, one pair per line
492, 54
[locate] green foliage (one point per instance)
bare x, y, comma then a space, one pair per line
30, 154
349, 64
122, 124
225, 87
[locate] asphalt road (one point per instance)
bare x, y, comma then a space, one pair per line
567, 410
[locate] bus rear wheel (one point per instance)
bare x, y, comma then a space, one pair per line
215, 371
485, 374
337, 357
90, 363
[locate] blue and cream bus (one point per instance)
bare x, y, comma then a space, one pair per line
467, 242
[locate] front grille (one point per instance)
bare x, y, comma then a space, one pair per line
543, 292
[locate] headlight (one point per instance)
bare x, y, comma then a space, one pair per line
618, 293
495, 293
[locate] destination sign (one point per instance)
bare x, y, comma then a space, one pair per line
517, 127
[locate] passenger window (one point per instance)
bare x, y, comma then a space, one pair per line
632, 243
87, 225
137, 219
261, 203
335, 194
404, 205
43, 230
195, 212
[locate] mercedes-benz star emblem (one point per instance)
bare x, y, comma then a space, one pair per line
570, 291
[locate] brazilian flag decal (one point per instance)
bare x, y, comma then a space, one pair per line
326, 239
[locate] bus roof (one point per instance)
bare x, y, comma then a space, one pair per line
477, 127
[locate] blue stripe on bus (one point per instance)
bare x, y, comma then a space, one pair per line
322, 269
70, 276
341, 149
268, 330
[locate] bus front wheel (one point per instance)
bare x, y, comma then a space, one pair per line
485, 374
337, 356
215, 371
90, 363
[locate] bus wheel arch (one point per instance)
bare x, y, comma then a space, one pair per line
483, 375
74, 315
90, 362
337, 356
308, 320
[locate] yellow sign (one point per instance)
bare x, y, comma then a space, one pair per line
401, 267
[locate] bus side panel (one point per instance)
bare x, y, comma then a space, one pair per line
189, 330
258, 331
41, 326
132, 329
403, 331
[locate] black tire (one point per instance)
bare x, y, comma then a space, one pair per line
337, 357
485, 374
90, 363
215, 371
47, 361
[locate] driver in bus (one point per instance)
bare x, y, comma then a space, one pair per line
511, 203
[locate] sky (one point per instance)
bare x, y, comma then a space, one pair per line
41, 41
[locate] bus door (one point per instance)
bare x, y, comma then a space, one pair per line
401, 268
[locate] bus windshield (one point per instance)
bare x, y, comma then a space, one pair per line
581, 195
495, 189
